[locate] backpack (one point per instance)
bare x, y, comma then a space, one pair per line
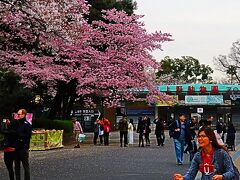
171, 132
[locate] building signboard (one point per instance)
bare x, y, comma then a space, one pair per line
203, 100
199, 110
170, 102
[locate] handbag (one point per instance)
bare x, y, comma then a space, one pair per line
81, 137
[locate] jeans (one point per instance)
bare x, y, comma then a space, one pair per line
179, 149
9, 157
22, 155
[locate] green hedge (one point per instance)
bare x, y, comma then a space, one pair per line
65, 125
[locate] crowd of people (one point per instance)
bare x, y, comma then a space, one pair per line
186, 134
126, 131
212, 158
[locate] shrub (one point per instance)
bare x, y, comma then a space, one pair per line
65, 125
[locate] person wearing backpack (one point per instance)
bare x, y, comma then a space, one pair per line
181, 136
123, 129
212, 160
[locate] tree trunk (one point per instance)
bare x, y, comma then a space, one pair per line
55, 110
70, 98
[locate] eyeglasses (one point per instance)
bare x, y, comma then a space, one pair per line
19, 114
201, 136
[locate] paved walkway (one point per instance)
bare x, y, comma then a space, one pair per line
114, 139
102, 163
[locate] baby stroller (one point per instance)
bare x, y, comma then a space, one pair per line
230, 141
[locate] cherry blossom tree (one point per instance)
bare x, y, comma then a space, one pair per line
49, 42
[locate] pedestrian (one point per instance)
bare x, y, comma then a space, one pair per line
123, 127
106, 129
77, 130
140, 129
159, 131
219, 127
192, 145
181, 136
24, 132
213, 160
208, 123
98, 131
224, 128
147, 130
8, 128
230, 141
131, 131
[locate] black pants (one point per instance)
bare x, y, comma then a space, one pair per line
9, 158
22, 156
96, 134
124, 134
160, 138
147, 139
106, 138
140, 140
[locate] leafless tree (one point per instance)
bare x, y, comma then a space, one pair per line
230, 64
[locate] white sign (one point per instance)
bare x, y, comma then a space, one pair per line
204, 100
199, 110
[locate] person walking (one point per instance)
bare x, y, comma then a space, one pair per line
192, 145
106, 129
147, 130
98, 132
159, 131
8, 128
230, 141
24, 132
213, 160
77, 129
131, 131
123, 127
181, 136
140, 130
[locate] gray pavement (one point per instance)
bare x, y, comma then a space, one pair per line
104, 162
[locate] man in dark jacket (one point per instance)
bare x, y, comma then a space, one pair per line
181, 136
123, 128
24, 132
159, 131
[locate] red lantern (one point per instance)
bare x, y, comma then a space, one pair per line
178, 89
191, 89
214, 89
203, 89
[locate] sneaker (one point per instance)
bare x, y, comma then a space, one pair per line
180, 163
77, 146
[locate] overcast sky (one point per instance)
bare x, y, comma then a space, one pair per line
202, 29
